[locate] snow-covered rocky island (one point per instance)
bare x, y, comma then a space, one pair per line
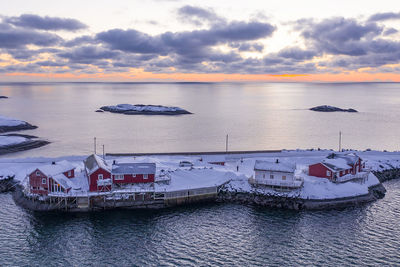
140, 109
10, 125
326, 108
289, 179
10, 143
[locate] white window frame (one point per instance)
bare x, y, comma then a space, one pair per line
271, 176
69, 173
100, 177
145, 176
44, 180
283, 177
328, 173
37, 173
119, 177
134, 175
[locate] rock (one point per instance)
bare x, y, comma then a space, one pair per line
30, 143
3, 96
326, 108
99, 110
20, 127
140, 109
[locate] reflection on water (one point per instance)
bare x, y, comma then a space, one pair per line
213, 234
255, 115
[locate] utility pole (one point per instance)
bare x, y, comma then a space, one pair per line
340, 141
104, 155
226, 143
95, 145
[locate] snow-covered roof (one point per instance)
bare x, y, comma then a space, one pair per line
62, 180
337, 164
57, 168
94, 162
134, 168
350, 158
276, 166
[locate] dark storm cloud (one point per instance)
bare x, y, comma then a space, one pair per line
198, 16
12, 37
88, 54
46, 23
297, 53
384, 16
340, 35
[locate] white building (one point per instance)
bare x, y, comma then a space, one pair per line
276, 175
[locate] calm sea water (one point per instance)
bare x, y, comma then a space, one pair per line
255, 115
207, 235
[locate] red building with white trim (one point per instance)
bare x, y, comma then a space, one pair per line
336, 166
98, 173
52, 178
132, 173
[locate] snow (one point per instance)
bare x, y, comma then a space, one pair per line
149, 108
336, 164
11, 140
203, 174
5, 121
263, 165
57, 168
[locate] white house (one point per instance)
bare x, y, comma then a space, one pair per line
276, 175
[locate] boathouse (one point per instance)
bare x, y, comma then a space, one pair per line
133, 173
98, 173
53, 178
338, 167
276, 175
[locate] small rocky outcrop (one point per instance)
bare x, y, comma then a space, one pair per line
30, 143
140, 109
326, 108
3, 96
21, 127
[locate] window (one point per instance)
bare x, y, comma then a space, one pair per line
69, 173
134, 175
283, 177
100, 177
145, 176
271, 176
44, 181
37, 173
119, 177
263, 175
328, 173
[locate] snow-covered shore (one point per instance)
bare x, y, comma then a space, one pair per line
203, 174
9, 124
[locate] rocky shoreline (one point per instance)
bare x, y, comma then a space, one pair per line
31, 143
140, 109
7, 185
326, 108
21, 127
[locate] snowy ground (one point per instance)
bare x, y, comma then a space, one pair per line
5, 121
204, 174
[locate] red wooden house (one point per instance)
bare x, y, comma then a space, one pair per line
98, 173
132, 173
336, 166
52, 178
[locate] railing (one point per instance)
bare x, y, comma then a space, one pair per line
190, 192
348, 177
296, 183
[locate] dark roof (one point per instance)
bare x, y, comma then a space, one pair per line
134, 168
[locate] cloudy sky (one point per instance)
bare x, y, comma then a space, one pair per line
173, 40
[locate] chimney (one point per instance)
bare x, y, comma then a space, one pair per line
277, 161
114, 162
53, 163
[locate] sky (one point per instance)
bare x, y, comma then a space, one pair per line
213, 41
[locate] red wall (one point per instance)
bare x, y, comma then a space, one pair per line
319, 170
93, 180
129, 179
72, 173
36, 181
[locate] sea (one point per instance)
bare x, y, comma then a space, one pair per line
255, 116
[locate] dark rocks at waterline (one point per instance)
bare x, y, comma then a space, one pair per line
21, 127
387, 175
31, 143
99, 110
3, 96
326, 108
140, 109
7, 184
294, 203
